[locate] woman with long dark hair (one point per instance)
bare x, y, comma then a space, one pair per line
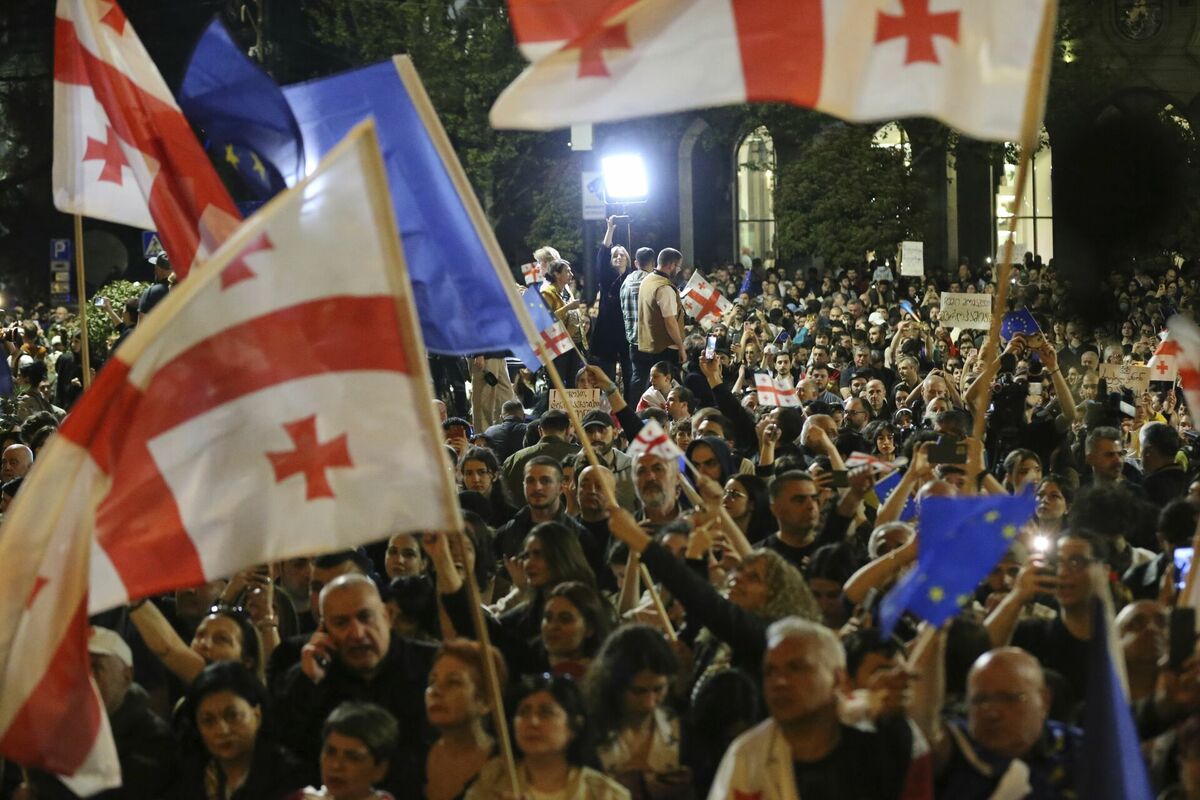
554, 745
749, 505
227, 754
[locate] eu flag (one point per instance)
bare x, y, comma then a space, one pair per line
1110, 750
242, 111
539, 313
961, 539
885, 486
454, 264
1020, 321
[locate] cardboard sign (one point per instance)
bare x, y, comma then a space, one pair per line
584, 400
966, 310
1126, 376
912, 258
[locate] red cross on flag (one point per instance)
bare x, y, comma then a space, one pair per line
966, 62
652, 439
532, 273
123, 151
702, 300
775, 391
1186, 335
243, 422
1162, 363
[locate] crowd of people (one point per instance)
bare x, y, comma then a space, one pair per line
720, 639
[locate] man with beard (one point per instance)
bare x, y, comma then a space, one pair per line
657, 482
544, 503
598, 426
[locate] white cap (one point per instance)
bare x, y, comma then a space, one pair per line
55, 340
109, 643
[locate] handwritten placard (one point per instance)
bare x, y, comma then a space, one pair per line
912, 258
584, 400
1119, 377
966, 310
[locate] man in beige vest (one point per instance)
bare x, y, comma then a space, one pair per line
659, 319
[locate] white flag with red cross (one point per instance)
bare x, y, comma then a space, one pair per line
702, 300
239, 424
1162, 363
123, 151
966, 62
1187, 359
553, 337
775, 391
652, 439
532, 273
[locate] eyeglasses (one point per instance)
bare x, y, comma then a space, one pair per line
1001, 699
735, 493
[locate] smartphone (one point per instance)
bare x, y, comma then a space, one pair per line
1181, 638
1183, 564
1035, 388
841, 479
949, 449
710, 348
98, 301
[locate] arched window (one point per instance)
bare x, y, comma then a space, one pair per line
756, 197
1035, 212
894, 136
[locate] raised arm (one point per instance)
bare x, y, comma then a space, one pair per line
175, 654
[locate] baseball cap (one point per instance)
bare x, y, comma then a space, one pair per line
597, 417
104, 641
160, 260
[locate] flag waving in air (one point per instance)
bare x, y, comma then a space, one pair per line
246, 365
1162, 363
775, 391
653, 439
1187, 358
966, 62
702, 300
553, 335
123, 151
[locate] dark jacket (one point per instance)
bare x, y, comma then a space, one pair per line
398, 685
1167, 484
608, 330
146, 749
510, 538
274, 774
506, 436
513, 470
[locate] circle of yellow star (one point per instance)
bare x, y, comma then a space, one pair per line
991, 516
936, 594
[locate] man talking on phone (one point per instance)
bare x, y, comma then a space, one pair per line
355, 656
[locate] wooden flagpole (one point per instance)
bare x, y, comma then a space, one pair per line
81, 289
1031, 126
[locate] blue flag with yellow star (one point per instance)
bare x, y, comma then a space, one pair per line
960, 540
1020, 321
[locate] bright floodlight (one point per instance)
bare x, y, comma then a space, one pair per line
625, 179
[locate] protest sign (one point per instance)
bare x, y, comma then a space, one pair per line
584, 400
966, 310
912, 258
1119, 377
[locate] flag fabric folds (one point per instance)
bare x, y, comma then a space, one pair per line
1111, 752
460, 279
123, 151
1162, 364
553, 335
1187, 358
775, 391
960, 540
702, 300
653, 439
244, 364
240, 108
966, 62
885, 486
1019, 321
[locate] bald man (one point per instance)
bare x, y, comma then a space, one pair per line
1007, 740
15, 462
355, 656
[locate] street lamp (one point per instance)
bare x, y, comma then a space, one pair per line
625, 179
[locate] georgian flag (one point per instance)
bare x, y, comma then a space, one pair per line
703, 302
966, 62
552, 336
242, 423
123, 151
652, 439
1186, 335
775, 391
1162, 363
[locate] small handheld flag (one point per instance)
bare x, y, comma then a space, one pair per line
652, 439
961, 539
